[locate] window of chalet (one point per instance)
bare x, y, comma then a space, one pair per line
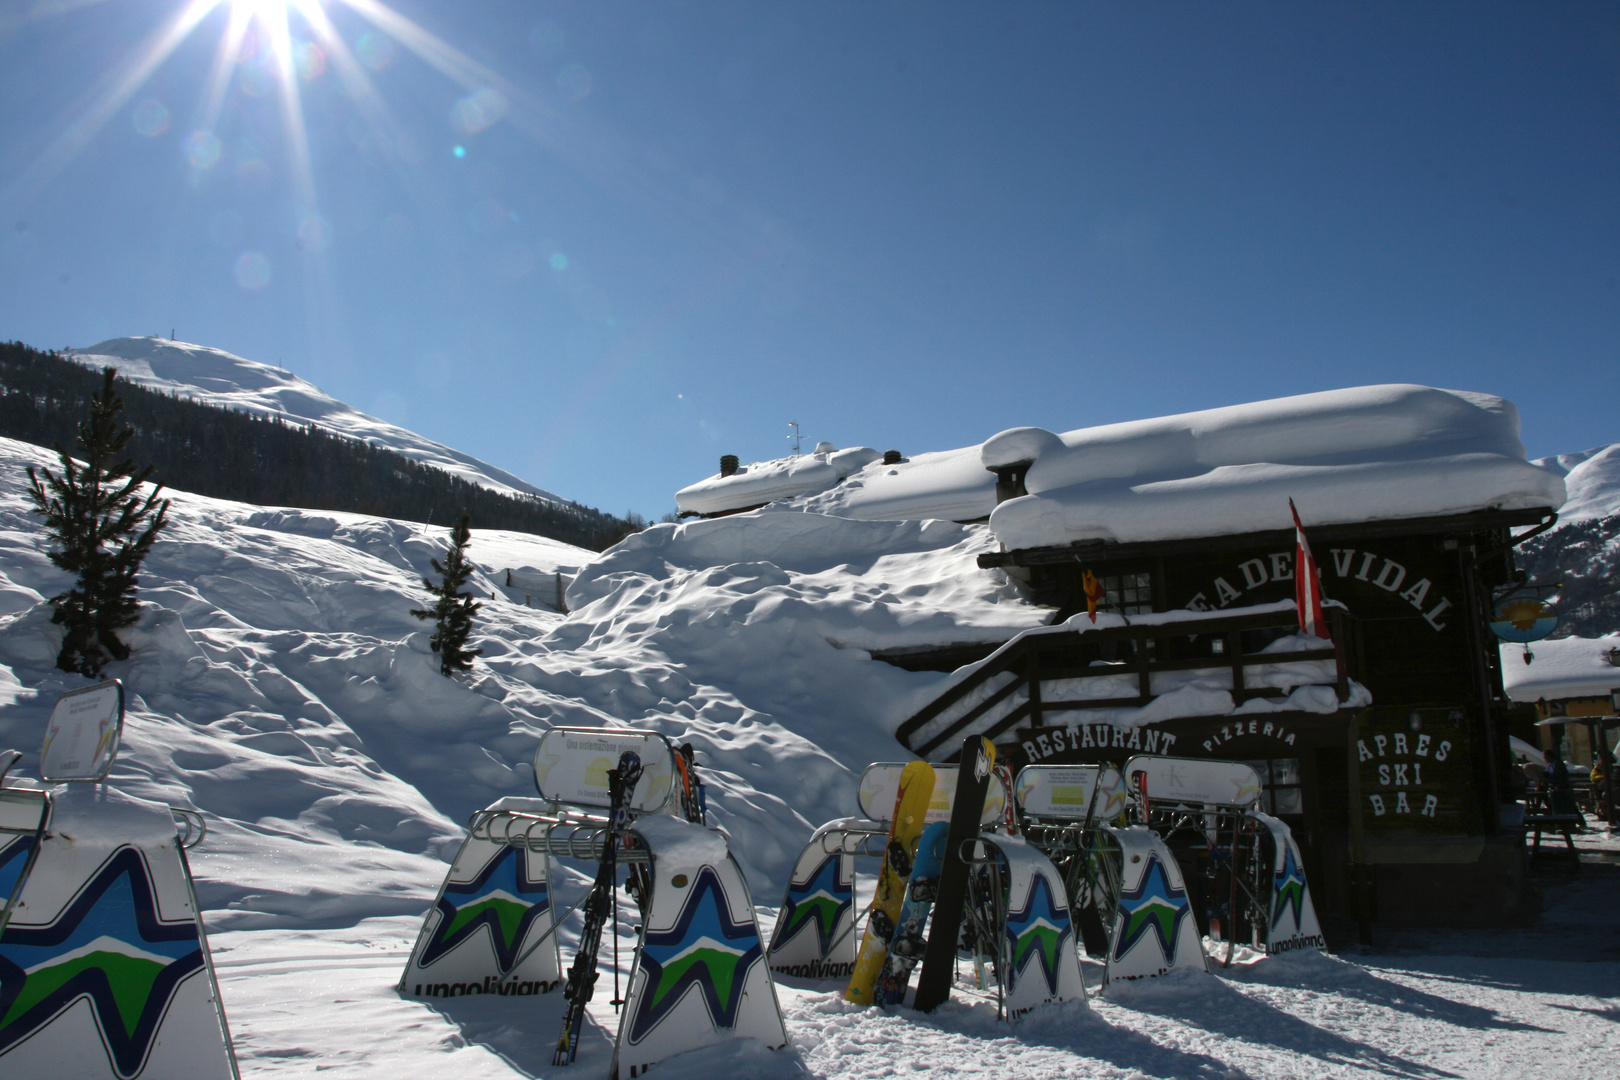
1132, 592
1279, 786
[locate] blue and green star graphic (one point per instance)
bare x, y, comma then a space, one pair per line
502, 897
1154, 905
820, 902
1040, 930
111, 946
705, 948
1290, 889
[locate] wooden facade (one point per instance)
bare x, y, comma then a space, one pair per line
1396, 804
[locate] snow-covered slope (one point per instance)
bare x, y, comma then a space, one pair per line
1592, 479
280, 683
220, 378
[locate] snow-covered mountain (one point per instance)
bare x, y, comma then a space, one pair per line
1592, 479
1582, 552
221, 378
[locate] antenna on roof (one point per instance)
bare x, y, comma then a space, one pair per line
796, 437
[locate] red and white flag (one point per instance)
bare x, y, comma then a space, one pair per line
1307, 582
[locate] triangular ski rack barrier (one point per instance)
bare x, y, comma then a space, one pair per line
1293, 924
699, 975
104, 963
1037, 960
1153, 930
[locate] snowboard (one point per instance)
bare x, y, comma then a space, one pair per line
906, 947
916, 790
978, 760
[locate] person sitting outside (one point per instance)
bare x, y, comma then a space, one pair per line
1560, 799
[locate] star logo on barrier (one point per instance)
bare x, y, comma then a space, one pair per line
819, 902
501, 898
109, 945
1290, 889
1039, 930
1154, 905
705, 948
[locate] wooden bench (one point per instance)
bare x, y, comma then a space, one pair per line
1564, 824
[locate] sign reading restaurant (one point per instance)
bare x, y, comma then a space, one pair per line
1093, 742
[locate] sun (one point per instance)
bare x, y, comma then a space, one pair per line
297, 43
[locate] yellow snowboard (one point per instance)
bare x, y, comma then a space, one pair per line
905, 828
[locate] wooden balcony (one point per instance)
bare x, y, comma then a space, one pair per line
1048, 671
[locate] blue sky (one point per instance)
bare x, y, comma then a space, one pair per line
601, 244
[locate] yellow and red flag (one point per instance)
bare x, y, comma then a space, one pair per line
1094, 593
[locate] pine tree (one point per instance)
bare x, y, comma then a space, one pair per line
453, 611
103, 529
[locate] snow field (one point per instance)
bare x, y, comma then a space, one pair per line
301, 1000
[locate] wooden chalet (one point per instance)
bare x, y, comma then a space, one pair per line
1384, 747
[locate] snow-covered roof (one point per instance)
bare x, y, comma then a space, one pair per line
1362, 454
1365, 453
1572, 667
951, 485
220, 378
766, 481
1592, 479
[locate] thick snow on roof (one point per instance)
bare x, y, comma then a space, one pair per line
221, 378
951, 485
1569, 667
1362, 454
766, 481
1592, 479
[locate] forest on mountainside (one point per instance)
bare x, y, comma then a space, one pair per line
267, 461
1580, 557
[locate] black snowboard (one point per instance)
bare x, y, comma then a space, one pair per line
978, 759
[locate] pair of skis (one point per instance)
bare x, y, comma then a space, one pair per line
581, 984
935, 881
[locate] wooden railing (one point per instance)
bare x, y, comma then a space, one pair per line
1219, 641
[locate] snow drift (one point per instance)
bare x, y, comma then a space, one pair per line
280, 685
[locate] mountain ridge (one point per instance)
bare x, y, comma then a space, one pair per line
183, 368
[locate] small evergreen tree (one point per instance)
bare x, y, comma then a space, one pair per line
453, 611
103, 529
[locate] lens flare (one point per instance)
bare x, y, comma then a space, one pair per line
575, 82
309, 59
151, 118
376, 51
203, 149
478, 111
252, 271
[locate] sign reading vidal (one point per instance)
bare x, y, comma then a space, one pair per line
1352, 571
